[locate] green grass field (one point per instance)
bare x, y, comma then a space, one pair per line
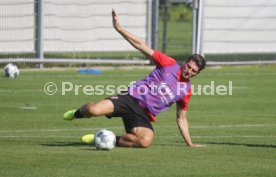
239, 129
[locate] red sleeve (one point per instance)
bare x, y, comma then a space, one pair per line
160, 59
183, 103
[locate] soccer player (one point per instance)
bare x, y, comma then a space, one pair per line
168, 83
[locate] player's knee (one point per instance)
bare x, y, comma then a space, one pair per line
145, 142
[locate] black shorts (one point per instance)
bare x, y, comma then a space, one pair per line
132, 114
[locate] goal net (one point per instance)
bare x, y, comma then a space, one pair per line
71, 29
236, 30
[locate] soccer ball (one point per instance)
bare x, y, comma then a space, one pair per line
11, 70
105, 140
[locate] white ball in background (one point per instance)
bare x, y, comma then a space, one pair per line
11, 70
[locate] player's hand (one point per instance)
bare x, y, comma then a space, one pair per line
115, 19
197, 145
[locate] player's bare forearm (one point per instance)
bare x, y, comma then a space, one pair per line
184, 128
135, 41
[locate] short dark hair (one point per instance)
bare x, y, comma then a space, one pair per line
198, 59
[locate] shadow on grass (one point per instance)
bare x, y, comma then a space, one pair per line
62, 144
84, 147
72, 144
245, 144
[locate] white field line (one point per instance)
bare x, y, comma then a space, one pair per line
21, 90
57, 130
93, 84
241, 74
220, 126
11, 136
121, 127
238, 136
28, 107
234, 126
221, 136
99, 83
162, 137
240, 87
69, 76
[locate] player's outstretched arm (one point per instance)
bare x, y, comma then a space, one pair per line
184, 128
131, 38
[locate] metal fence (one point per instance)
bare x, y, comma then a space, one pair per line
31, 28
241, 32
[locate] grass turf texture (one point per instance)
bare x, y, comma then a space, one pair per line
239, 130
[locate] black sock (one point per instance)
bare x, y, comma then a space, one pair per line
117, 140
78, 114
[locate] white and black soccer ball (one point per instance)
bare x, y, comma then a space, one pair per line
105, 140
11, 70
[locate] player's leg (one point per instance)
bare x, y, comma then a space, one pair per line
139, 137
103, 107
139, 131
